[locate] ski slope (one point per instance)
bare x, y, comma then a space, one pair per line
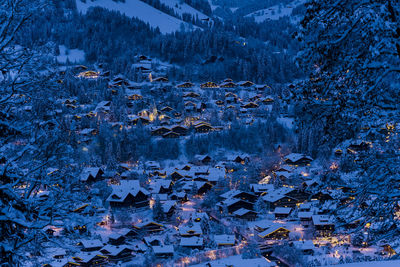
141, 11
275, 12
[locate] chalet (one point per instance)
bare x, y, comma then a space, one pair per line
276, 199
305, 246
359, 146
298, 194
239, 195
323, 224
204, 159
149, 227
225, 240
245, 214
199, 216
209, 85
321, 196
297, 159
219, 102
234, 204
159, 131
282, 213
171, 134
228, 85
152, 165
250, 105
128, 233
117, 253
245, 83
275, 232
242, 158
189, 231
167, 109
128, 193
169, 208
261, 189
116, 239
185, 85
144, 120
176, 175
90, 245
153, 240
161, 79
201, 187
267, 100
91, 174
203, 128
228, 80
161, 186
305, 218
181, 196
103, 106
90, 259
192, 242
163, 251
181, 130
191, 94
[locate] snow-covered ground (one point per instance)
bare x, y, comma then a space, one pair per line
395, 263
275, 12
183, 8
140, 10
73, 55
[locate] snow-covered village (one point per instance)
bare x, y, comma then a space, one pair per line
209, 133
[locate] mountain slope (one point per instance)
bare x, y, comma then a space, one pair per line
142, 11
275, 12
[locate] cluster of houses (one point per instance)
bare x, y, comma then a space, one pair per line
158, 210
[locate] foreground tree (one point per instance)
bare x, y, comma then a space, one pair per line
352, 53
32, 183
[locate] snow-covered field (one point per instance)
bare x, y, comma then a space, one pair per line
183, 8
275, 12
142, 11
72, 55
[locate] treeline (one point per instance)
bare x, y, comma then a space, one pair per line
266, 55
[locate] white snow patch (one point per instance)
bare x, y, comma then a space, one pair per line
275, 12
183, 8
73, 55
141, 11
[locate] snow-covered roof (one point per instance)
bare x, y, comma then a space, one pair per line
90, 244
193, 241
282, 210
163, 249
224, 239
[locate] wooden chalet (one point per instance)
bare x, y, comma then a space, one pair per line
228, 85
128, 193
323, 224
171, 134
203, 128
297, 159
149, 227
234, 204
191, 94
116, 239
250, 105
193, 242
91, 174
275, 232
225, 240
209, 85
161, 79
87, 259
245, 214
185, 85
163, 251
282, 213
159, 131
240, 195
117, 253
246, 84
166, 109
90, 245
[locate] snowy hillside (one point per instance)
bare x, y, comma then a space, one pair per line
275, 12
182, 8
144, 12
